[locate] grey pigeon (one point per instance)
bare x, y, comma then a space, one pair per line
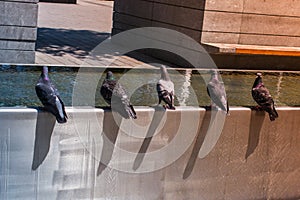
165, 89
217, 93
49, 96
114, 94
263, 98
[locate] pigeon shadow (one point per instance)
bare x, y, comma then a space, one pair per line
198, 143
43, 132
256, 122
156, 119
111, 129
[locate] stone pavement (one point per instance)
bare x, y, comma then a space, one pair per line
68, 32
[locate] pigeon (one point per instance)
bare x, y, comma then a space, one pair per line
217, 93
115, 94
263, 98
49, 96
165, 89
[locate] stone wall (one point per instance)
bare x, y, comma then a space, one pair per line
258, 22
18, 30
239, 22
254, 22
183, 16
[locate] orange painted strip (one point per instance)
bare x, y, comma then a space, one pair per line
267, 52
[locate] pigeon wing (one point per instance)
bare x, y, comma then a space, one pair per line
216, 92
51, 101
165, 92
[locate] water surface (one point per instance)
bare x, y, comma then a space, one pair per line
18, 85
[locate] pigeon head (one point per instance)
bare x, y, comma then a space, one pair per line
164, 73
259, 74
258, 81
44, 74
110, 76
214, 73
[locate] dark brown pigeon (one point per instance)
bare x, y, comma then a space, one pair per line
165, 89
263, 98
49, 96
217, 93
114, 94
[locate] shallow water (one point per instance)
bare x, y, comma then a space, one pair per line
18, 86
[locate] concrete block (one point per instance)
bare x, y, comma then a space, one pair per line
23, 1
137, 8
131, 20
220, 37
224, 6
18, 33
179, 16
19, 14
15, 45
195, 4
16, 56
195, 34
268, 40
270, 25
222, 22
283, 8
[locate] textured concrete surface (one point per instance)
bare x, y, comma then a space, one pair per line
248, 21
18, 31
220, 22
253, 158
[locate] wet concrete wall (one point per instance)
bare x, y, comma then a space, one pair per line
95, 155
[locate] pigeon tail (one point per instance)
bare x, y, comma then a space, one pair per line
272, 114
132, 112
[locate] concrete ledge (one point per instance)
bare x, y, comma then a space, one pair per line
218, 48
